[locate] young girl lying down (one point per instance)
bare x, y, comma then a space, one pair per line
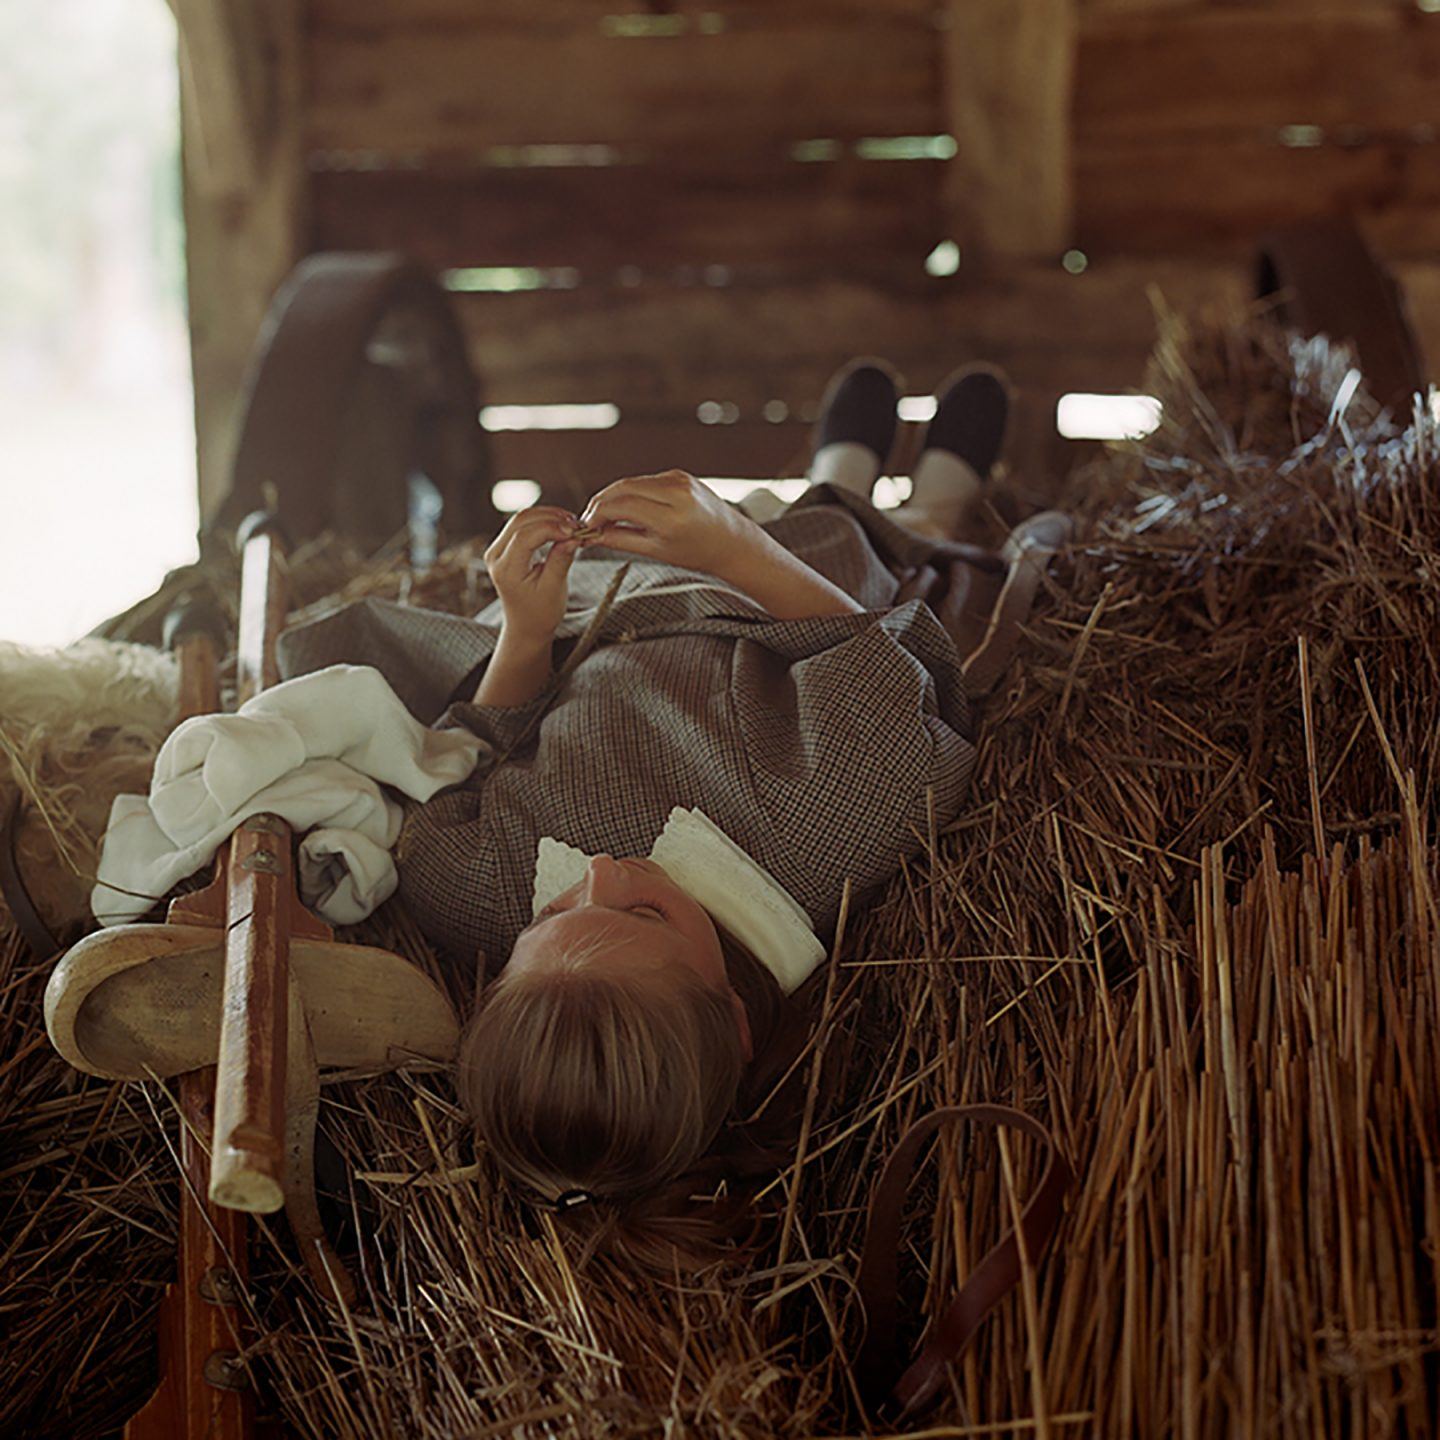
652, 863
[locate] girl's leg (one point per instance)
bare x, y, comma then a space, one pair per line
852, 437
857, 425
961, 445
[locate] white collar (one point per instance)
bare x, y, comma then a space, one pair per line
715, 872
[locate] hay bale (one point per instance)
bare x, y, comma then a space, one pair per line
78, 726
1189, 921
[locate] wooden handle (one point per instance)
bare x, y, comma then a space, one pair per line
262, 612
247, 1167
204, 1391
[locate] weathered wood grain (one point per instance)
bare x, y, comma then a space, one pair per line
240, 244
247, 1165
573, 464
539, 14
1183, 196
1313, 7
1142, 76
662, 350
658, 353
807, 217
1008, 77
459, 90
222, 67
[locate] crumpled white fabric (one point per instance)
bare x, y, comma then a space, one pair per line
314, 751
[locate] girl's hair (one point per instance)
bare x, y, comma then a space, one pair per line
632, 1084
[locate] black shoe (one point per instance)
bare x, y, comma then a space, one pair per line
971, 411
859, 406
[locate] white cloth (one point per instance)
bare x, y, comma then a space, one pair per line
718, 874
314, 751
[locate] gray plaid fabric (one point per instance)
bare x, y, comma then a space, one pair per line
810, 742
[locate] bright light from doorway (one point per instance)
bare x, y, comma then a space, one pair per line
512, 495
728, 488
1107, 417
97, 440
550, 417
916, 407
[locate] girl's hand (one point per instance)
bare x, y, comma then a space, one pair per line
672, 517
533, 596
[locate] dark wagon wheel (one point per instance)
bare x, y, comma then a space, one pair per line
1329, 281
362, 410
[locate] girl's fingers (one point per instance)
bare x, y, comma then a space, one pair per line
638, 509
561, 552
537, 521
638, 542
529, 533
566, 550
535, 514
649, 487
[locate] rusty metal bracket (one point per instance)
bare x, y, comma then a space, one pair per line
225, 1370
217, 1285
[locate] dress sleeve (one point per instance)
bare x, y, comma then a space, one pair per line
842, 744
499, 726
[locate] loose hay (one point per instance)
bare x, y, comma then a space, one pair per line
1189, 921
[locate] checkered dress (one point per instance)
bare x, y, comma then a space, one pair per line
810, 742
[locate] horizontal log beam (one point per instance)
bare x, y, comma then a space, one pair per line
1143, 76
1171, 7
456, 85
1192, 195
459, 90
660, 351
533, 15
812, 217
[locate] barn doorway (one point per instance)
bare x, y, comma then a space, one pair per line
97, 438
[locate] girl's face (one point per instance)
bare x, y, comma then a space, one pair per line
633, 913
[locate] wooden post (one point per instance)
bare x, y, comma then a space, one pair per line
204, 1389
241, 93
247, 1167
1008, 68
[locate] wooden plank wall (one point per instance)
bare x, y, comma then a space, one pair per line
707, 189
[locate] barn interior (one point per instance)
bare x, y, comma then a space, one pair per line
1190, 922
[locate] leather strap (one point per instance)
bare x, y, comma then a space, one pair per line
900, 1399
12, 885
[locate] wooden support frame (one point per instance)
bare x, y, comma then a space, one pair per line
1009, 69
230, 90
241, 115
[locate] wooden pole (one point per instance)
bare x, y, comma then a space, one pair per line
204, 1389
247, 1167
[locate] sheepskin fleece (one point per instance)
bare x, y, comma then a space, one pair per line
78, 726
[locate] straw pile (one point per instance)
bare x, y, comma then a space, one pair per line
1189, 922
